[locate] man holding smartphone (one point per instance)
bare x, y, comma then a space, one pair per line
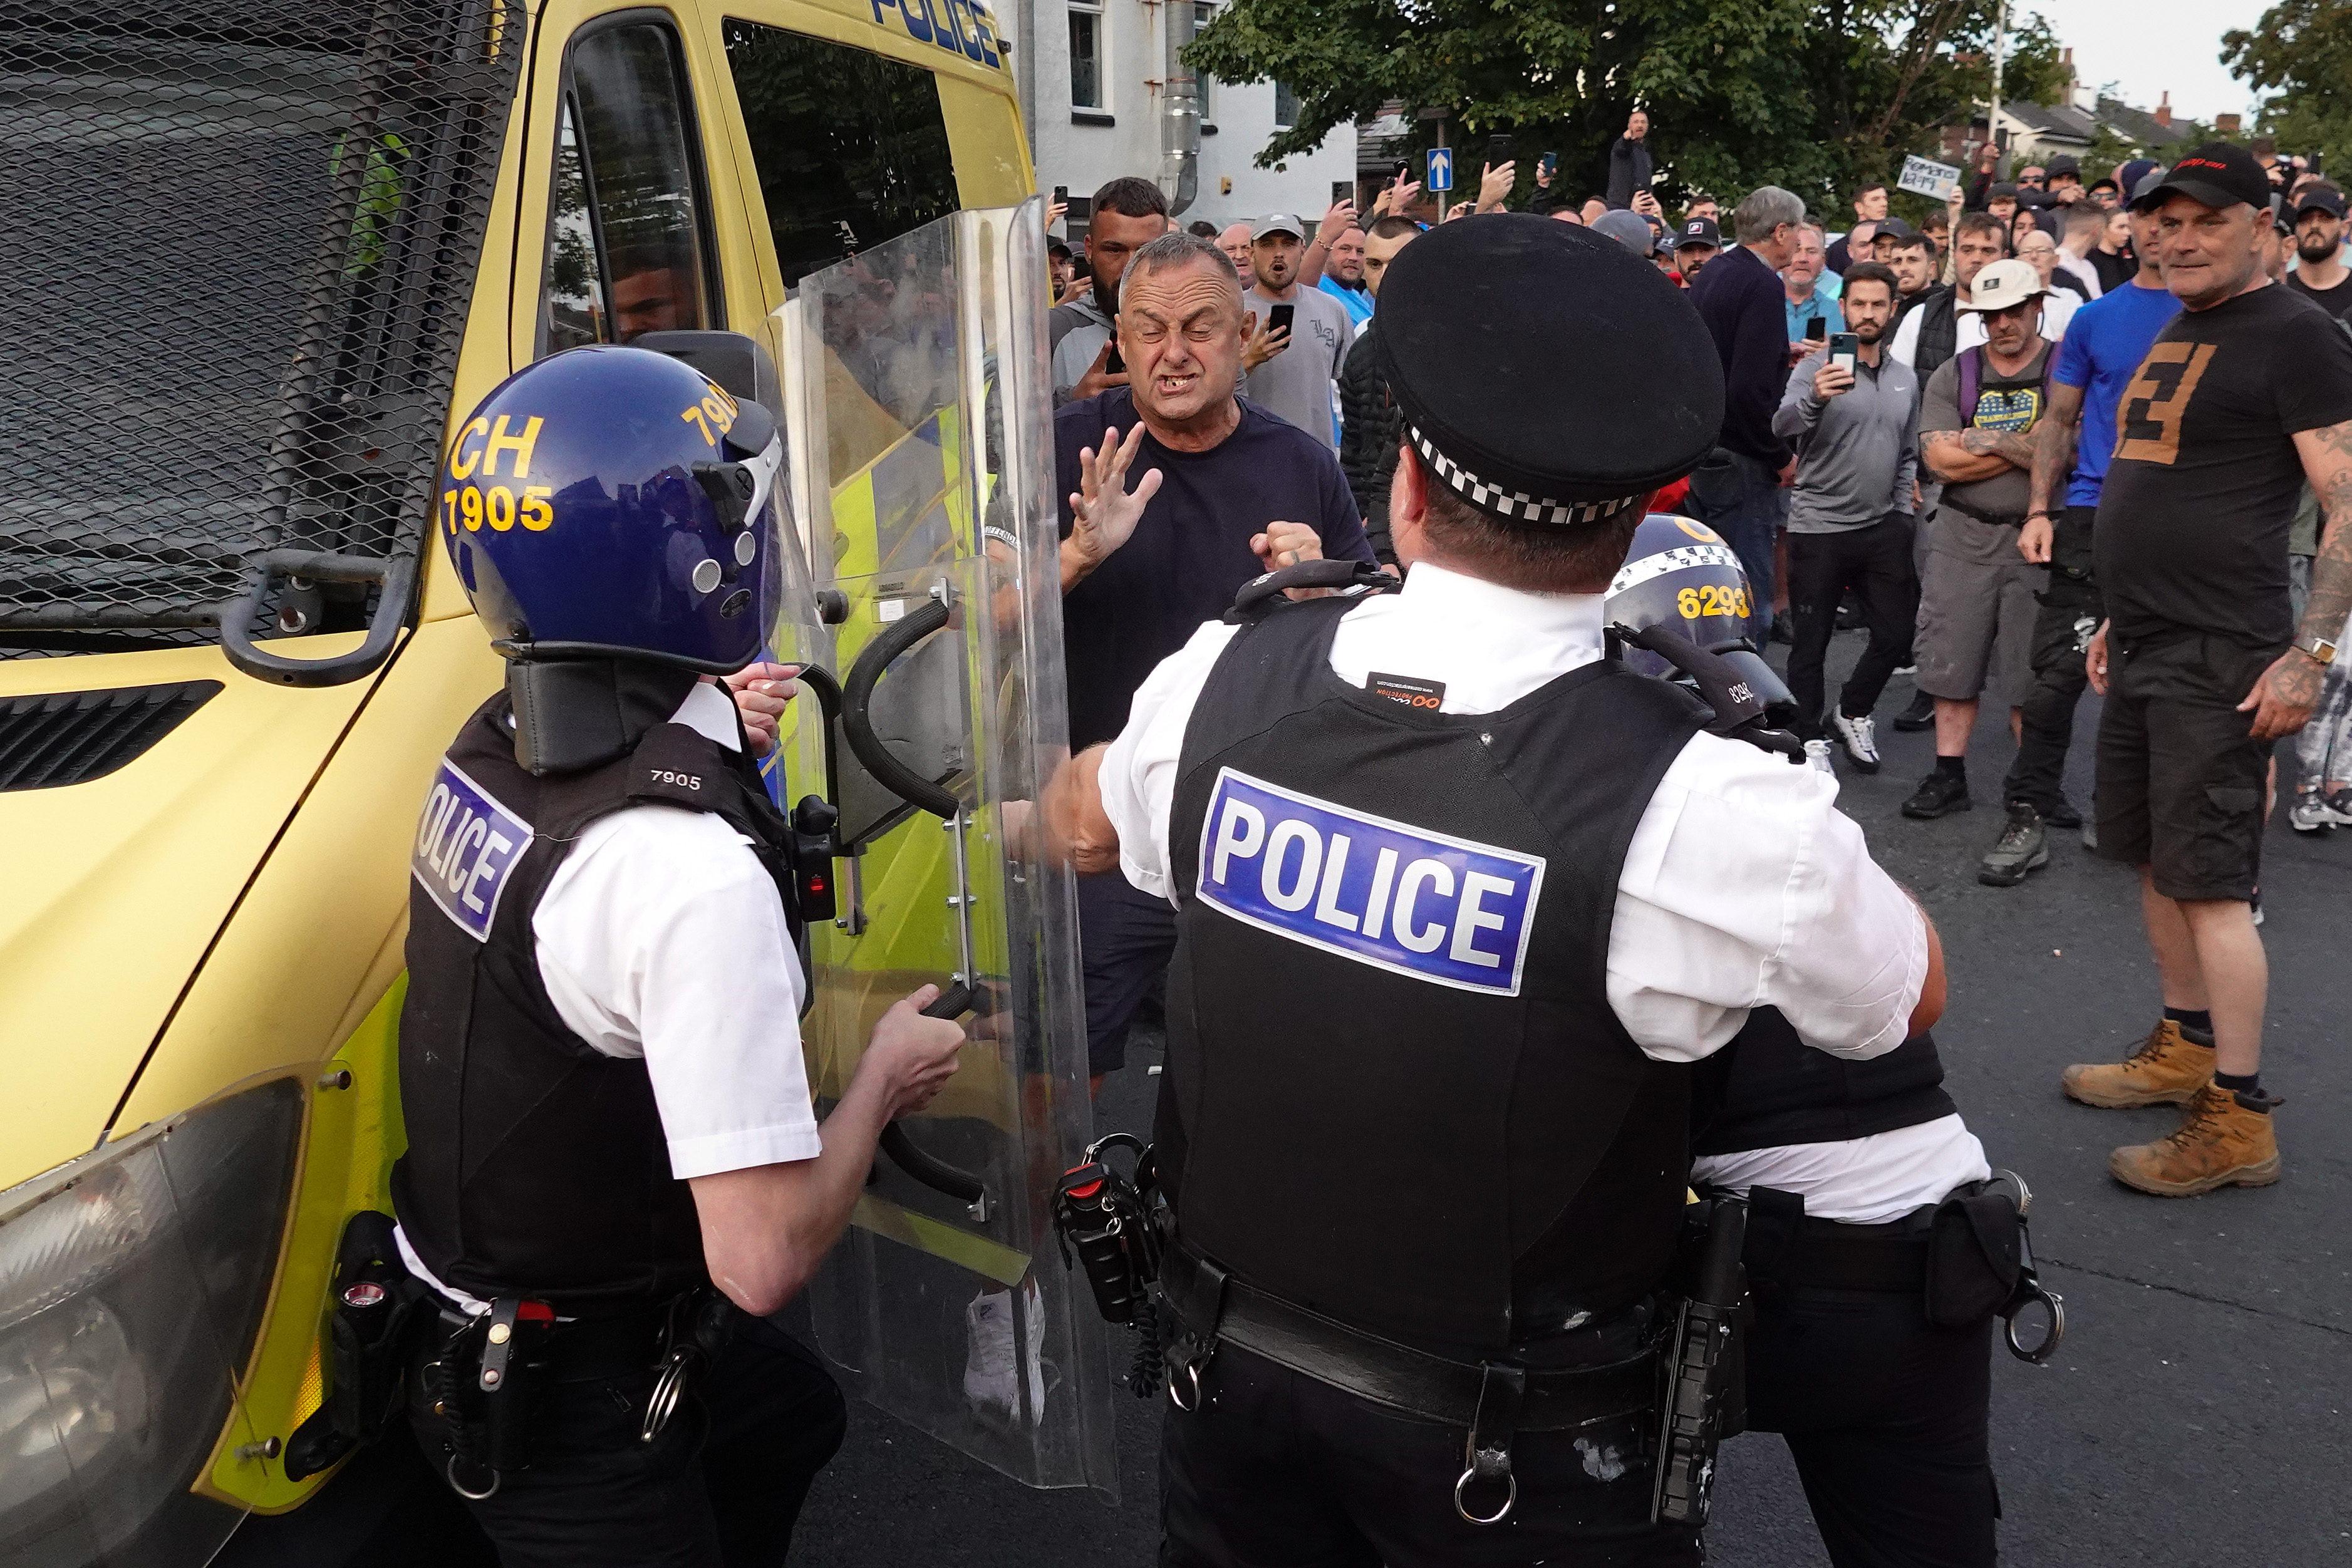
1852, 411
1300, 336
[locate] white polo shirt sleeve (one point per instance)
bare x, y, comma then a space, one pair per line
661, 937
1744, 886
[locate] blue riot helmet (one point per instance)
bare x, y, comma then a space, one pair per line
614, 503
1680, 575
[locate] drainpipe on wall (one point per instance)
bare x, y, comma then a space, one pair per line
1180, 113
1025, 78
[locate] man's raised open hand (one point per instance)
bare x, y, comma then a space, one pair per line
1104, 511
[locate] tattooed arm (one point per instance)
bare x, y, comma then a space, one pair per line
1964, 456
2053, 459
2282, 699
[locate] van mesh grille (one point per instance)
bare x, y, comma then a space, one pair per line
71, 738
242, 236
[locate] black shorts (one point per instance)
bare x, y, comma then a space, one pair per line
2181, 777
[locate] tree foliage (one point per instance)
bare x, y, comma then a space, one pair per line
1814, 95
2301, 51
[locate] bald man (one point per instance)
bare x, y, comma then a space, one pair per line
1234, 241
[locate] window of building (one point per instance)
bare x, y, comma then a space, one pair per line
850, 148
1204, 13
628, 233
1286, 107
1085, 56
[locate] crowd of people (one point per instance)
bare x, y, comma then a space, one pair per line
1918, 427
2062, 435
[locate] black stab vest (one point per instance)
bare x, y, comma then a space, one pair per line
1444, 1135
537, 1164
1768, 1088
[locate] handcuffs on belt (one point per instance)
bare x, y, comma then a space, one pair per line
511, 1351
699, 1326
2029, 1289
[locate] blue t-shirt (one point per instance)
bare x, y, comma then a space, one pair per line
1359, 301
1190, 552
1820, 305
2101, 352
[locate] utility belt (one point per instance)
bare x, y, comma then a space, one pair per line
1965, 1260
485, 1375
1687, 1374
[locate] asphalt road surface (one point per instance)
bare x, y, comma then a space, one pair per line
2197, 1412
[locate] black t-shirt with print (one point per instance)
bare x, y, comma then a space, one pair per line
2192, 522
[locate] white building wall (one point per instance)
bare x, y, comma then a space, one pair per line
1071, 151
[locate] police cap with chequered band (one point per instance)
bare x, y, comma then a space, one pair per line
1546, 374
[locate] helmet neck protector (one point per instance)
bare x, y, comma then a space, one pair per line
576, 714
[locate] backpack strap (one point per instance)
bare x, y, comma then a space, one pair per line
1972, 378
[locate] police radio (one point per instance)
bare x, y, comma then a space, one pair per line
1107, 1221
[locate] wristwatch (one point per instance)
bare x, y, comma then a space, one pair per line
2321, 650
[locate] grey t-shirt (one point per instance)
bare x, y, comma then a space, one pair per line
1078, 331
2012, 403
1295, 384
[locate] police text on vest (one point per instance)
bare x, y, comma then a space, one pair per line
1379, 891
466, 843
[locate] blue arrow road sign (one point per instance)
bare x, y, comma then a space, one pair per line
1441, 169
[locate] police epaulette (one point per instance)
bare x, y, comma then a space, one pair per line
1262, 593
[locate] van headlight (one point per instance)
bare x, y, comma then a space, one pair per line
133, 1282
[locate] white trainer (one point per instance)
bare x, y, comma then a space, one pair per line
1859, 738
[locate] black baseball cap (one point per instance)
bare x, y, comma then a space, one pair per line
1999, 189
1699, 231
2219, 174
2320, 198
2063, 163
1893, 228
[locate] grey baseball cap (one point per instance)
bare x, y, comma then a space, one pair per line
1629, 229
1276, 224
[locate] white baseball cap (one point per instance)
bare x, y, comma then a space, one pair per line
2002, 284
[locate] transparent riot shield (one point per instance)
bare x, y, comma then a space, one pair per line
919, 410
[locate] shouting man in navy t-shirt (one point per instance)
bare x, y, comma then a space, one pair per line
1224, 491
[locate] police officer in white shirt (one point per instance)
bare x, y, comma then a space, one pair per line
614, 1171
1461, 898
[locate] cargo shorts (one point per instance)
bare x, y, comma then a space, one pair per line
1975, 637
2179, 775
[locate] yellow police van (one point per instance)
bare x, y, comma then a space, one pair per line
266, 256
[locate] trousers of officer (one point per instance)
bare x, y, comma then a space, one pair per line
1277, 1470
1885, 1415
720, 1486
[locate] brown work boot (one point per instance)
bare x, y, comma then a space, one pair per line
2167, 1069
2225, 1138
